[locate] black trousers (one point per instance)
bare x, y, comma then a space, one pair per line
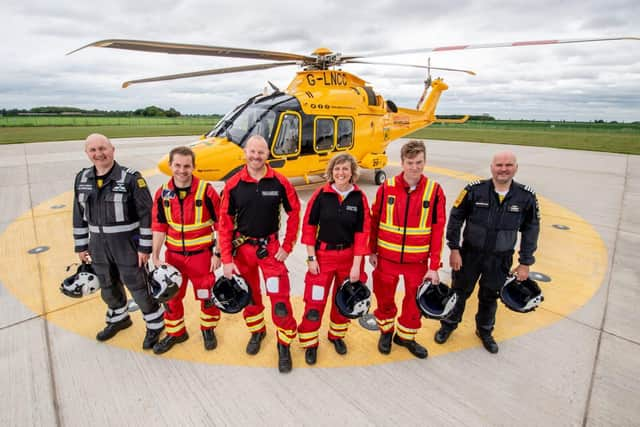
492, 269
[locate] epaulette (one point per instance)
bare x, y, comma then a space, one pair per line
529, 189
472, 183
132, 171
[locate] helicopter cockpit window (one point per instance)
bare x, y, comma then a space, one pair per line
324, 134
288, 137
255, 120
345, 133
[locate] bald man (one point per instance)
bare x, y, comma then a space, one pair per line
493, 212
112, 231
250, 209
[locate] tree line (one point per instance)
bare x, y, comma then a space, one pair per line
150, 111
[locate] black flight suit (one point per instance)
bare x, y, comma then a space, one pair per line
490, 234
113, 222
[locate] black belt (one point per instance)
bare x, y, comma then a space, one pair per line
187, 253
332, 246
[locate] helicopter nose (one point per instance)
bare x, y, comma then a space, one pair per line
163, 165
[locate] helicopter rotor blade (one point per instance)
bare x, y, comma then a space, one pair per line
210, 72
486, 46
195, 49
426, 67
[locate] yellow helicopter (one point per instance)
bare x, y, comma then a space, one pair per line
324, 110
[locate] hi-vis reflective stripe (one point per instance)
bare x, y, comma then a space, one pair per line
109, 229
409, 231
191, 242
197, 224
426, 203
422, 228
407, 248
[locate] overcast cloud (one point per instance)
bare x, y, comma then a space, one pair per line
571, 82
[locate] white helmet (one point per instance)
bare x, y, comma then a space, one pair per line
165, 282
82, 283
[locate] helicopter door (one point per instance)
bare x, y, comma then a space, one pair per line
287, 143
324, 131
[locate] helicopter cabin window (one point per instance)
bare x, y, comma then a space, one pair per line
345, 133
288, 138
325, 129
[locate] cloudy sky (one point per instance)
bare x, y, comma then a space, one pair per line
570, 82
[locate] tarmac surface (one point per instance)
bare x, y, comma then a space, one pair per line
574, 361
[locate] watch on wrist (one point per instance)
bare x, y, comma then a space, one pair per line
311, 258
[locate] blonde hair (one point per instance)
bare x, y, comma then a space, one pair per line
342, 158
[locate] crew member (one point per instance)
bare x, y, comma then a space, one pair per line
184, 219
249, 224
492, 211
112, 231
336, 232
407, 228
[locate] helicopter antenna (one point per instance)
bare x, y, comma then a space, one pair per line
274, 87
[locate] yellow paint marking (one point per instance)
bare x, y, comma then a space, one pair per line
575, 259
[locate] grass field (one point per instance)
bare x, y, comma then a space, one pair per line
609, 137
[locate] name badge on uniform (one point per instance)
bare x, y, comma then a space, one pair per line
270, 193
85, 187
514, 208
119, 188
482, 204
351, 208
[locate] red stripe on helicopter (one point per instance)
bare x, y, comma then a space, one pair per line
532, 43
438, 49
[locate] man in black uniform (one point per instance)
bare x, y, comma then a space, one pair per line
494, 210
112, 231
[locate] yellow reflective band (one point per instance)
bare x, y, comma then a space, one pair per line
173, 322
407, 330
174, 329
199, 196
189, 227
426, 197
382, 322
205, 316
310, 343
167, 209
211, 324
190, 242
283, 337
407, 248
256, 328
338, 326
411, 231
304, 336
405, 336
251, 319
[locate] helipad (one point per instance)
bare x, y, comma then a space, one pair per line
571, 362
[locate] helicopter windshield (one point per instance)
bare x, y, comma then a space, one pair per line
254, 119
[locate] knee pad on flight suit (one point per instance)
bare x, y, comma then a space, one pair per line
280, 309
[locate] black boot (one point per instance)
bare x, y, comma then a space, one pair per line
112, 329
442, 335
253, 346
169, 341
488, 342
384, 343
284, 358
414, 348
210, 340
311, 355
340, 346
151, 338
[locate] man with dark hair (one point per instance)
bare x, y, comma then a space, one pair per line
249, 222
184, 219
407, 226
492, 211
112, 231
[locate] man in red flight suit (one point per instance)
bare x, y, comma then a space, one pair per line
407, 227
184, 219
250, 217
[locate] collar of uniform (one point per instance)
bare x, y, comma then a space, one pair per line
192, 189
93, 172
244, 173
326, 188
400, 180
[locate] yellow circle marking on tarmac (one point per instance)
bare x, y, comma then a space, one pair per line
34, 280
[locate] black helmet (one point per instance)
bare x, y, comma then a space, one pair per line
83, 282
353, 299
436, 301
521, 296
165, 282
230, 295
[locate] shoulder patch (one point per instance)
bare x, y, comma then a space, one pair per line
460, 198
142, 183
